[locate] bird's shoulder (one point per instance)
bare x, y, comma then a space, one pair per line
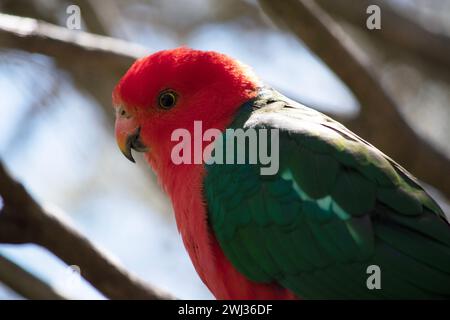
336, 205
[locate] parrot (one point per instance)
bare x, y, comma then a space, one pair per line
338, 219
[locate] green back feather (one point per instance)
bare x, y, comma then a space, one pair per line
336, 206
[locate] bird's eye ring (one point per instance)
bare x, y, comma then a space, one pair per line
122, 112
167, 99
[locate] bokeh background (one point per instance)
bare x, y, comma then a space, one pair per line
56, 130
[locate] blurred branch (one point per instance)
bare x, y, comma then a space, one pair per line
110, 16
42, 37
23, 220
24, 283
397, 29
27, 8
379, 120
91, 18
95, 62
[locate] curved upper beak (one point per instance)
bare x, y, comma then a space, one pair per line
128, 141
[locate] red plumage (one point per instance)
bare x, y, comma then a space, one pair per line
211, 88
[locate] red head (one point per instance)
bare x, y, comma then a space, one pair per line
171, 89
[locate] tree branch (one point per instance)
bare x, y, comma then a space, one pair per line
397, 29
95, 62
78, 47
379, 120
91, 18
24, 283
23, 220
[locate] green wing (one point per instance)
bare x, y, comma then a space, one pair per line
337, 206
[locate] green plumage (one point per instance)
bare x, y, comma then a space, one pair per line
336, 206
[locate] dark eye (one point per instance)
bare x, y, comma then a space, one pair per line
122, 112
167, 99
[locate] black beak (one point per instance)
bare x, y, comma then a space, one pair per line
133, 142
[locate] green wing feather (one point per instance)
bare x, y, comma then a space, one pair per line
336, 206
